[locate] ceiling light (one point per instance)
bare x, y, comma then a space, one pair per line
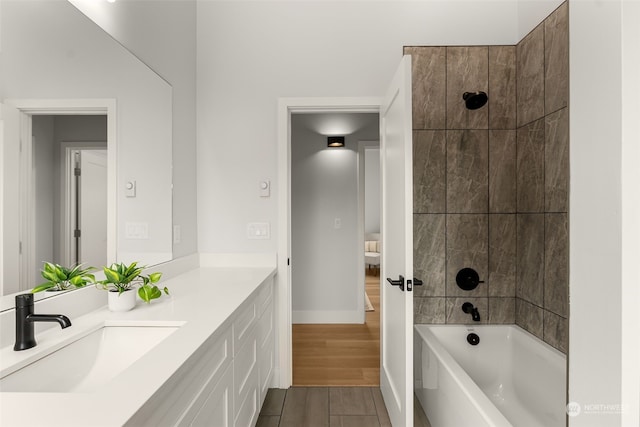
335, 141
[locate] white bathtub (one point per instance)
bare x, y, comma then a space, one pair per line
511, 378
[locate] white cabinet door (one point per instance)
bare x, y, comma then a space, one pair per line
218, 408
397, 246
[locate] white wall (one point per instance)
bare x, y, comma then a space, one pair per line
533, 12
324, 187
56, 52
162, 34
603, 215
372, 190
252, 53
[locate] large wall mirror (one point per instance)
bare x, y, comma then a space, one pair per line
75, 99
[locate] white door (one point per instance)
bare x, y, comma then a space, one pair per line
396, 371
93, 207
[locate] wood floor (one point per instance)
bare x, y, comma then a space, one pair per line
340, 355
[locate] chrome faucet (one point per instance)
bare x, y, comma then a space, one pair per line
467, 307
25, 318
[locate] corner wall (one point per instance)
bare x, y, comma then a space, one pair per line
542, 282
490, 185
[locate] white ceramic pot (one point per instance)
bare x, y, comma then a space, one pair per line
122, 301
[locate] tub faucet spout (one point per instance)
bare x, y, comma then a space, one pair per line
468, 308
25, 319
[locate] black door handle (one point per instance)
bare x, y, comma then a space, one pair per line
399, 282
417, 282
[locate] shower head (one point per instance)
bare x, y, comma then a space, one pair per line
475, 100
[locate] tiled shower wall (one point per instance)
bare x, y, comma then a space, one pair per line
491, 185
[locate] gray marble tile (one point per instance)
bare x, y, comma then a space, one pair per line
502, 311
455, 314
556, 331
556, 161
428, 310
502, 171
429, 253
467, 246
467, 71
556, 264
273, 402
381, 409
502, 87
556, 59
529, 317
429, 171
306, 406
530, 167
502, 255
530, 257
428, 66
467, 171
351, 401
530, 76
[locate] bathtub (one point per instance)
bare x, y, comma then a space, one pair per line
510, 378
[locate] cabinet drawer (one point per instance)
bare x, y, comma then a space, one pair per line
244, 365
214, 407
247, 408
178, 396
243, 325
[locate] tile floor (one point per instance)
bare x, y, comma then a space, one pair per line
329, 407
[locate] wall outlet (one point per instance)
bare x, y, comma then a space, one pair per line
136, 230
258, 231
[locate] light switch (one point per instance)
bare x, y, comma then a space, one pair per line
265, 188
337, 223
136, 230
130, 188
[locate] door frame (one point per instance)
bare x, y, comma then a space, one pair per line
286, 107
27, 108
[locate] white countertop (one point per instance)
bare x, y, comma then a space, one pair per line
203, 299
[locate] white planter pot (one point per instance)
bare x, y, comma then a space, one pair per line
122, 301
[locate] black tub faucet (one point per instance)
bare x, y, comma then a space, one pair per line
467, 307
25, 336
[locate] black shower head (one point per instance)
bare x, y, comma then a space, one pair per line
475, 100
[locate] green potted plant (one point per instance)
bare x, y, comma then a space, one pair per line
60, 278
122, 279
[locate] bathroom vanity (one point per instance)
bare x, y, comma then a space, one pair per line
211, 363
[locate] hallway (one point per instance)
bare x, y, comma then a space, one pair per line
340, 354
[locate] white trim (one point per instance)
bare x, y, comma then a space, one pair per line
287, 106
327, 317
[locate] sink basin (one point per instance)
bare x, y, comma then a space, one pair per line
88, 363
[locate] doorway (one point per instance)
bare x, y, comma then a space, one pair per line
33, 153
335, 341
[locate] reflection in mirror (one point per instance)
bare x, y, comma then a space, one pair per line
58, 54
69, 158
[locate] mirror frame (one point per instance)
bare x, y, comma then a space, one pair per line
30, 107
